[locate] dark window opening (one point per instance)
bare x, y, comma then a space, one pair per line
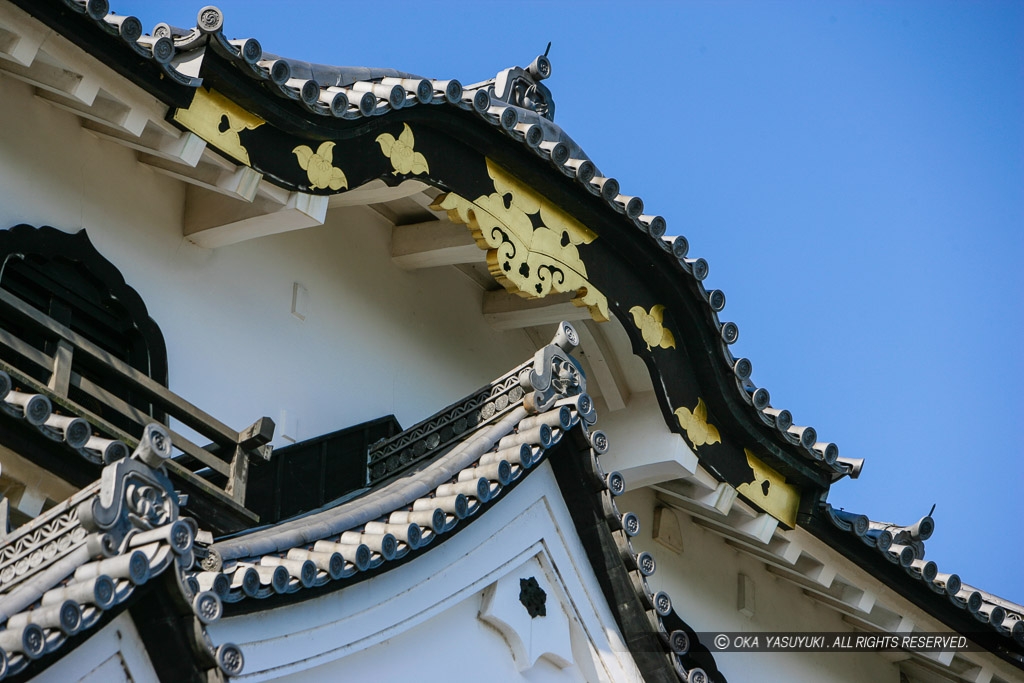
309, 474
64, 276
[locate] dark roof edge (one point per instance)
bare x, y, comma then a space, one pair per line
118, 42
646, 619
895, 556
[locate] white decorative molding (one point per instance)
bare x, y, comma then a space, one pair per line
529, 637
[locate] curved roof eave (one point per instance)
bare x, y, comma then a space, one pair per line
508, 118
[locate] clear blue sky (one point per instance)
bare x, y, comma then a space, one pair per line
854, 174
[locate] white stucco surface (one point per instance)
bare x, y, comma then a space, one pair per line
114, 654
703, 582
423, 616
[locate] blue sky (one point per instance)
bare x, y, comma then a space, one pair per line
854, 174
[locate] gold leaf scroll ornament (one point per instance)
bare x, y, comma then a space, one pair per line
696, 425
319, 167
525, 258
404, 159
650, 326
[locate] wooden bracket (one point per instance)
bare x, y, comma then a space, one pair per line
60, 379
257, 434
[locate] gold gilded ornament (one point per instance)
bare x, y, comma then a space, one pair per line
218, 120
404, 159
770, 492
320, 168
531, 243
696, 425
650, 326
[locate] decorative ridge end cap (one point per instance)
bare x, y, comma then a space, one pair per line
123, 528
523, 88
210, 19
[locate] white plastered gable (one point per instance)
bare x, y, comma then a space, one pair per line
531, 636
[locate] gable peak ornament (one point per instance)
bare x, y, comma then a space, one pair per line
533, 597
523, 88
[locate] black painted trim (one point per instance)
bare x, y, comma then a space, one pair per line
625, 251
913, 589
108, 48
49, 243
585, 507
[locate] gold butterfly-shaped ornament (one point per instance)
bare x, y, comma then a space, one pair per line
651, 327
319, 167
404, 159
696, 425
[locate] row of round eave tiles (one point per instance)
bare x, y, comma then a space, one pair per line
403, 531
557, 153
910, 558
78, 603
129, 28
367, 549
391, 91
640, 565
75, 432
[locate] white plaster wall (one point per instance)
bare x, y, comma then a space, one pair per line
378, 340
420, 620
114, 654
702, 581
453, 646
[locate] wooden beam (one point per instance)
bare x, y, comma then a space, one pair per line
18, 48
184, 147
505, 311
426, 199
237, 182
179, 408
213, 221
104, 110
761, 527
432, 244
70, 78
656, 456
376, 192
258, 433
60, 378
20, 36
46, 77
605, 371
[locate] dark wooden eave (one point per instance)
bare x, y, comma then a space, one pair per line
109, 48
912, 587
